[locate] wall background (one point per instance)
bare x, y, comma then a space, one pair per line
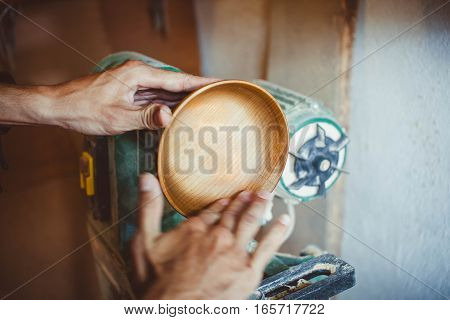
398, 191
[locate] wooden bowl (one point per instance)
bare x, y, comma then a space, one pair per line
226, 137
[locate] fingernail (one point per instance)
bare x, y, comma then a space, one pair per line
285, 219
245, 196
165, 116
265, 195
148, 182
224, 202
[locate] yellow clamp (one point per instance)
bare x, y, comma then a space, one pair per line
87, 173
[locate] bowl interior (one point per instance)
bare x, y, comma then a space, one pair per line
224, 138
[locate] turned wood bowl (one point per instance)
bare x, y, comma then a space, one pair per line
226, 137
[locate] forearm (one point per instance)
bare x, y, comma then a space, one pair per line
133, 96
28, 105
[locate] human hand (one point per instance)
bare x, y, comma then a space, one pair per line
129, 97
205, 257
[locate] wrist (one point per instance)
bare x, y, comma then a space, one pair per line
45, 109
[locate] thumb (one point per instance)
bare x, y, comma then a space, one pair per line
155, 116
150, 208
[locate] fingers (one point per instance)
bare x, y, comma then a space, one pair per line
159, 94
146, 76
151, 208
155, 116
162, 88
236, 206
139, 256
270, 243
144, 102
212, 213
250, 220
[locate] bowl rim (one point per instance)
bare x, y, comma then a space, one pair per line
185, 102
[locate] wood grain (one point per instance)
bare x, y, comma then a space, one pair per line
224, 138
